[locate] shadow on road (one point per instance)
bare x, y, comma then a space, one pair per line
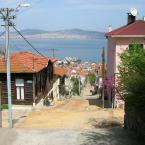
110, 136
98, 102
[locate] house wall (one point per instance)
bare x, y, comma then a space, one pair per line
116, 47
56, 89
40, 84
111, 57
49, 78
122, 44
36, 85
28, 89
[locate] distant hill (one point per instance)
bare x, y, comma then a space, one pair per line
78, 34
32, 31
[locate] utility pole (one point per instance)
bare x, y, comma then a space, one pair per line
6, 16
103, 76
53, 51
9, 14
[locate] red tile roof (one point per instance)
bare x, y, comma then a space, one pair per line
136, 28
60, 71
25, 62
83, 73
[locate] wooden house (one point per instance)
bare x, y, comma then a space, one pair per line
31, 78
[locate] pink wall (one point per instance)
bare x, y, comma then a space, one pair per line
115, 47
111, 57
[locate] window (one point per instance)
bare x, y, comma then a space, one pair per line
20, 89
139, 45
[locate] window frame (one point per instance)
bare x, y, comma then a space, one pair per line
20, 86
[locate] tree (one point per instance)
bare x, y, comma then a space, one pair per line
75, 86
92, 78
132, 78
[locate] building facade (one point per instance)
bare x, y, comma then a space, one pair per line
119, 40
31, 78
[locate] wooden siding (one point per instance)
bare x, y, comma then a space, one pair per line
42, 83
28, 89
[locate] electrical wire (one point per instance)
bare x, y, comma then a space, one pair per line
28, 42
2, 33
2, 14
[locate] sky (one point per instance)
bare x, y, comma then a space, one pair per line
53, 15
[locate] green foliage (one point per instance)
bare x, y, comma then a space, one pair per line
4, 106
132, 77
75, 84
46, 101
92, 78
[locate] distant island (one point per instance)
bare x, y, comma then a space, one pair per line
72, 34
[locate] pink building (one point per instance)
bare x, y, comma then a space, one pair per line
118, 40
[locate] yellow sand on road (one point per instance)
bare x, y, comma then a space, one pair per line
73, 114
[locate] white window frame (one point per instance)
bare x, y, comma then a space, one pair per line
20, 89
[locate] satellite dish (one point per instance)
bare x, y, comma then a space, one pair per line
133, 11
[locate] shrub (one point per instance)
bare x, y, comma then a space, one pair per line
4, 106
92, 78
132, 77
75, 86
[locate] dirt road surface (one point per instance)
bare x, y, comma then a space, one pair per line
71, 114
77, 121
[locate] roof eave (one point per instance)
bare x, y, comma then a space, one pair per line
127, 36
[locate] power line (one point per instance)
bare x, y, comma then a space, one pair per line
2, 33
28, 41
53, 51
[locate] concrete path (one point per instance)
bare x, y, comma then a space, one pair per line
112, 136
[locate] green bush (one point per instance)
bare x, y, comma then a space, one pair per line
4, 106
132, 77
75, 84
92, 78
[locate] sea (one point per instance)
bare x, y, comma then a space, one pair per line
85, 50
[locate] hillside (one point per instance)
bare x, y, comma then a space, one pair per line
77, 34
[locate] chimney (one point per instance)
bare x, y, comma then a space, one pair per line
131, 18
109, 28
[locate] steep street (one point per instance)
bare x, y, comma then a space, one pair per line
77, 121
